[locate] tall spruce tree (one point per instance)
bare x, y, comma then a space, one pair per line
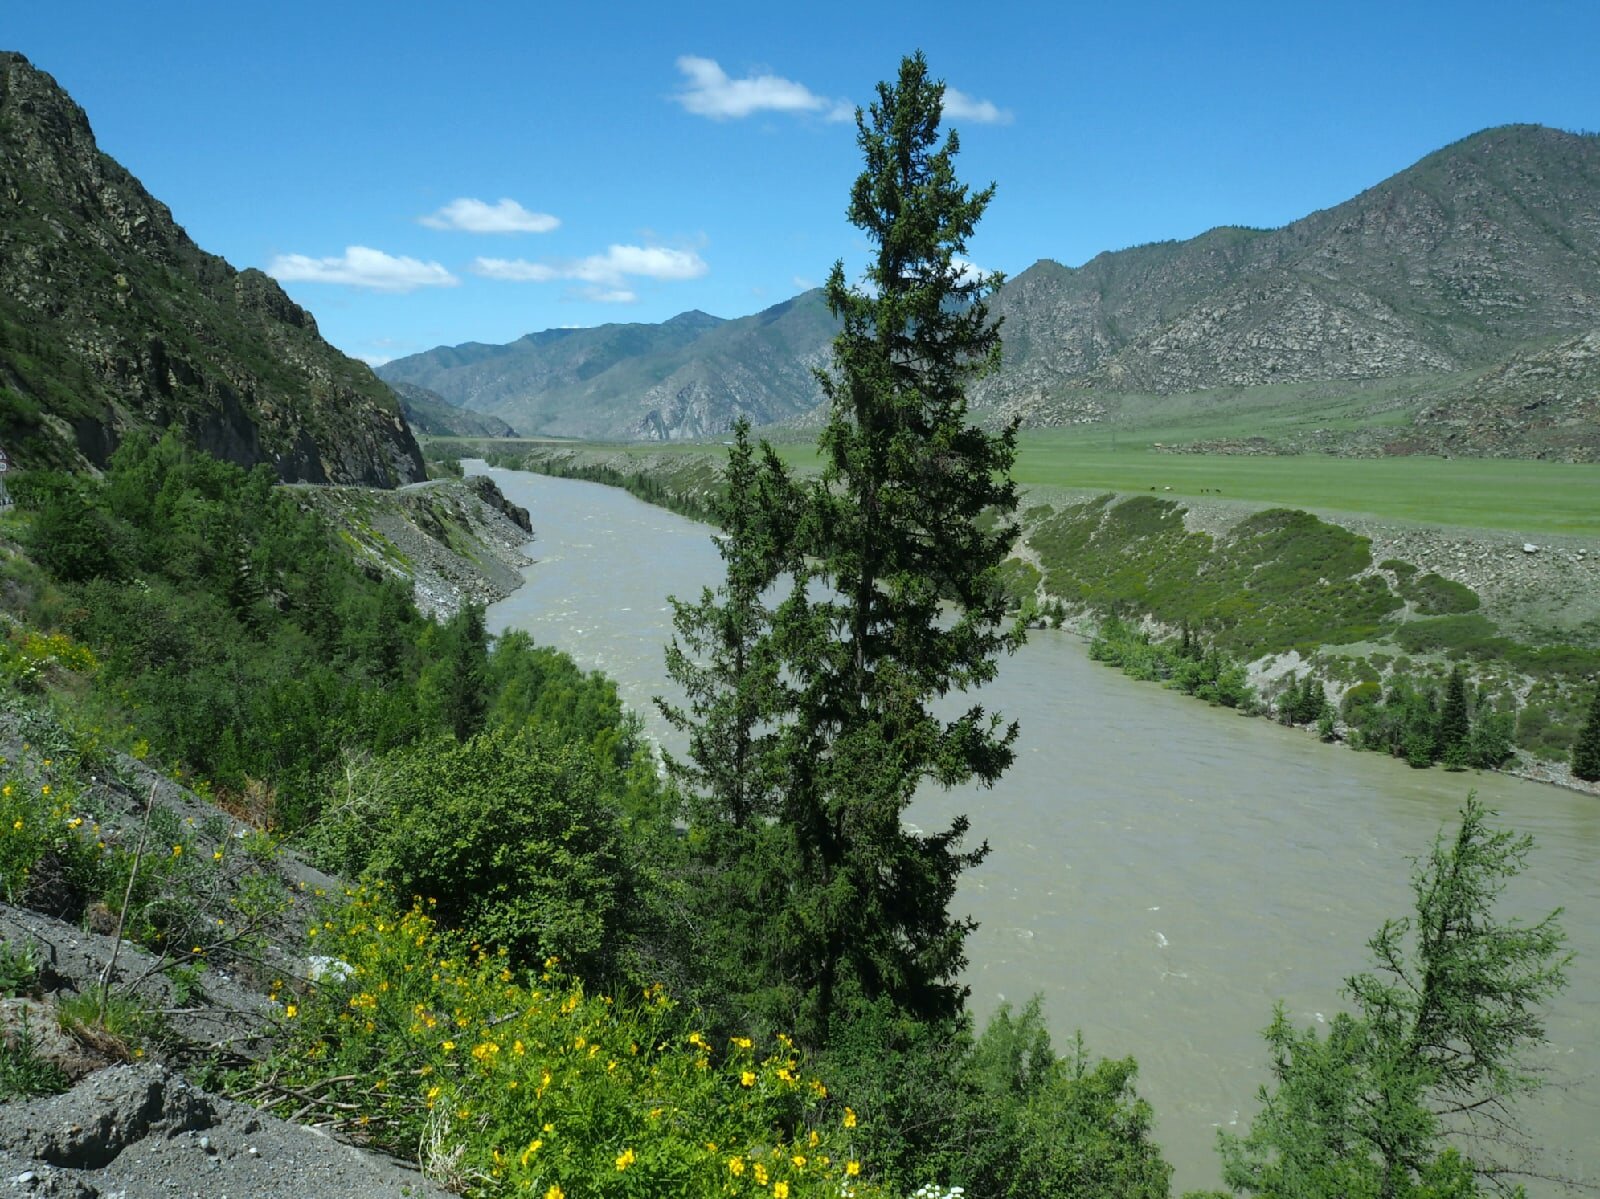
1586, 750
898, 603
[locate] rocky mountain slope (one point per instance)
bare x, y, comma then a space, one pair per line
1453, 263
688, 377
430, 414
1466, 262
112, 319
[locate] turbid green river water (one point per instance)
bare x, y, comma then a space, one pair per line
1160, 871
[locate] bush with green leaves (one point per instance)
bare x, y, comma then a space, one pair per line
49, 857
1586, 750
512, 832
998, 1115
1185, 664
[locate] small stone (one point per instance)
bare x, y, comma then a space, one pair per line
205, 1143
1529, 548
253, 1151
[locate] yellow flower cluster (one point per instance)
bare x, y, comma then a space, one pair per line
566, 1091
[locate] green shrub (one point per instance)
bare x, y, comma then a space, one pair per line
1362, 695
999, 1115
514, 836
1435, 595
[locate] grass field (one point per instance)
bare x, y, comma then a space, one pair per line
1532, 498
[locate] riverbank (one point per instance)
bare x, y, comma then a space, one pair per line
1350, 598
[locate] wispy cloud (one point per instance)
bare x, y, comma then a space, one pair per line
958, 106
709, 92
606, 273
361, 266
479, 216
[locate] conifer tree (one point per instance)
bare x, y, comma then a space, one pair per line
899, 601
1435, 1056
1586, 750
722, 654
1454, 720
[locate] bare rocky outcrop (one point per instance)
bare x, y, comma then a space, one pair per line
112, 320
138, 1131
456, 541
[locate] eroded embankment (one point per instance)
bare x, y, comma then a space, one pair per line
456, 540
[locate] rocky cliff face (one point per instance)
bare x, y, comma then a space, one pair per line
112, 319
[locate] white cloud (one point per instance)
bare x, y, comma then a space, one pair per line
375, 359
514, 270
479, 216
968, 272
958, 106
361, 267
710, 93
606, 272
610, 295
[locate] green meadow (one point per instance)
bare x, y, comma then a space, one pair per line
1490, 493
1528, 497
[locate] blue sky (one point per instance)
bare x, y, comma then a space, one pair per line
421, 175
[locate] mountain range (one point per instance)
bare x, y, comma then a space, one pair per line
112, 320
1459, 300
1450, 272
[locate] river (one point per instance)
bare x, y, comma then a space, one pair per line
1160, 871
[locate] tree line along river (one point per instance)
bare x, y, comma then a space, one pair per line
1160, 871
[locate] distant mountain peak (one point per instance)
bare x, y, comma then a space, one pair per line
694, 318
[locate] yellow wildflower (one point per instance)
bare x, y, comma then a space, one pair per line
625, 1159
747, 1079
736, 1165
849, 1117
780, 1190
852, 1168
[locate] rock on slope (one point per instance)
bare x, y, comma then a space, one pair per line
112, 319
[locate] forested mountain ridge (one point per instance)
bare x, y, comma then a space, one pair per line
112, 319
1480, 253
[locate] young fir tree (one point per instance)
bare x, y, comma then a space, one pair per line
1435, 1056
1455, 720
900, 602
1586, 750
722, 654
